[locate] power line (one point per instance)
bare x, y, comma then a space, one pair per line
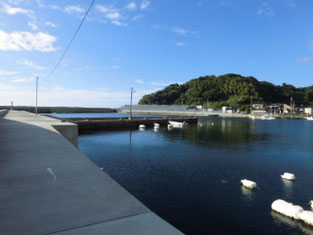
68, 46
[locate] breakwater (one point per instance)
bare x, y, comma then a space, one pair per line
48, 109
50, 187
85, 124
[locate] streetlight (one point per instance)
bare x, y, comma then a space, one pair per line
36, 109
131, 102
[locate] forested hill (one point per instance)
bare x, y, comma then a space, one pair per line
229, 89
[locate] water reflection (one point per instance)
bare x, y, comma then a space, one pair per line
247, 193
291, 222
218, 131
130, 136
287, 185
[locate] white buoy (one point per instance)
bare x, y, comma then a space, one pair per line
307, 217
288, 176
248, 184
156, 125
287, 209
142, 127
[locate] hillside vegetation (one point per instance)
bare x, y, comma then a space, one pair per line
228, 89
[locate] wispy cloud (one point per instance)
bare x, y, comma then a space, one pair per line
137, 17
73, 8
51, 24
131, 6
139, 81
32, 25
55, 7
7, 73
118, 23
177, 30
18, 41
69, 9
14, 10
115, 67
180, 31
40, 4
145, 4
23, 79
113, 15
15, 2
30, 64
265, 9
159, 84
180, 44
110, 13
305, 59
102, 9
290, 3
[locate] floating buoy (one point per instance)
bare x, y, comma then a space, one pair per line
288, 176
248, 184
142, 127
287, 209
156, 125
307, 217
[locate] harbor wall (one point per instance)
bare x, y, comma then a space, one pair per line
50, 187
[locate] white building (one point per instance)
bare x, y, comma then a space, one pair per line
308, 111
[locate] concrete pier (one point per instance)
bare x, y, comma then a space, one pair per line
123, 122
47, 186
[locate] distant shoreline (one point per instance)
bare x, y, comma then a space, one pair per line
210, 114
47, 109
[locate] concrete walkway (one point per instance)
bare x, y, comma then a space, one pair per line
47, 186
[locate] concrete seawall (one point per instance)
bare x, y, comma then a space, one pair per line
89, 124
48, 186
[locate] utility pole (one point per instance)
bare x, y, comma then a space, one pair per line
36, 109
131, 102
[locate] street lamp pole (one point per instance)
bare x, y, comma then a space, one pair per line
36, 109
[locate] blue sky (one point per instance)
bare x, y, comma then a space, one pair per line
147, 44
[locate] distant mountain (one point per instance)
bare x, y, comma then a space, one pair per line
229, 89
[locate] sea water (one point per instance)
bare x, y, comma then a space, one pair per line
191, 176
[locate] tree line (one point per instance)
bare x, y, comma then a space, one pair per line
229, 89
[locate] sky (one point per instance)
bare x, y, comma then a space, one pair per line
147, 45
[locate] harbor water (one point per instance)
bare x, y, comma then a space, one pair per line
191, 176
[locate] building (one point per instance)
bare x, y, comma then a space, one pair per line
276, 108
288, 109
257, 105
234, 109
308, 110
